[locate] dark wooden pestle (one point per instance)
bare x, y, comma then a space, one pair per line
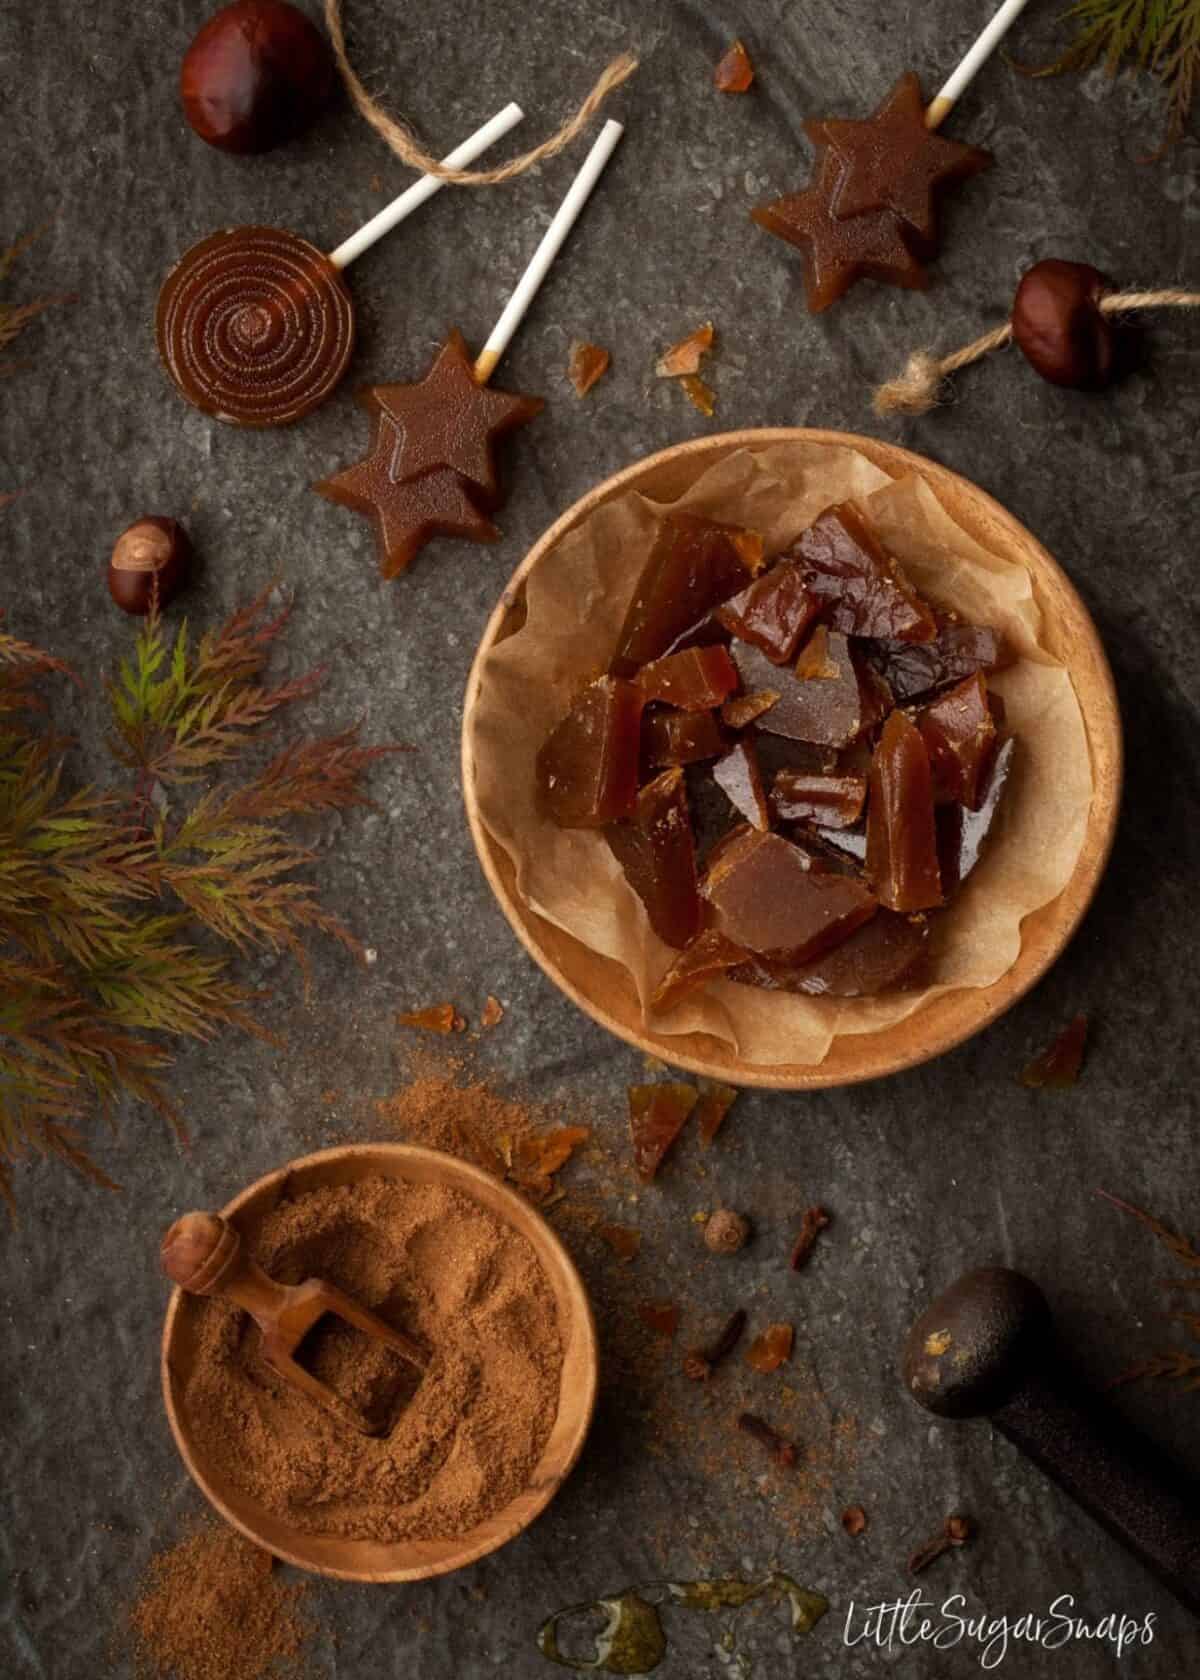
987, 1348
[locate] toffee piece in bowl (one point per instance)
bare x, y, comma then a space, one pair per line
733, 478
367, 1558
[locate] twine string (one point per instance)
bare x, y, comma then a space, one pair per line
405, 144
921, 384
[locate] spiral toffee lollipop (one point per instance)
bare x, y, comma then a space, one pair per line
256, 326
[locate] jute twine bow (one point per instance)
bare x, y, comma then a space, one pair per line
921, 386
405, 144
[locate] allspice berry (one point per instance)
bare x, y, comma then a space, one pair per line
1059, 327
152, 557
726, 1231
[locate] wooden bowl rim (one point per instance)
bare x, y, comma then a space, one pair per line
462, 1175
1103, 726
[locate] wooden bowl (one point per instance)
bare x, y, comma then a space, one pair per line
406, 1560
604, 989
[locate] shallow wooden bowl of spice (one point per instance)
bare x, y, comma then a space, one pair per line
378, 1170
604, 988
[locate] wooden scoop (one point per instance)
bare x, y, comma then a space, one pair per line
203, 1254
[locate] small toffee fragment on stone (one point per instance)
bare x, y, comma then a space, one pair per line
771, 1348
588, 363
623, 1240
1060, 1064
660, 1316
686, 356
437, 1017
657, 1114
734, 72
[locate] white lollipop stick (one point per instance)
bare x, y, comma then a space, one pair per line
425, 188
551, 244
982, 50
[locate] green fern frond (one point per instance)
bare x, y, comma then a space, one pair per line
1161, 36
120, 917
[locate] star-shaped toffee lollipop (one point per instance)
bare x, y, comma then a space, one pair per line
406, 513
448, 419
870, 208
256, 326
840, 250
430, 468
893, 161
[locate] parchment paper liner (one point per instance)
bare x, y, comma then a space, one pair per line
575, 603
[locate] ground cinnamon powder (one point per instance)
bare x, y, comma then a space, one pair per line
440, 1109
214, 1607
430, 1261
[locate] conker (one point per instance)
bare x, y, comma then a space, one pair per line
151, 558
257, 74
1059, 327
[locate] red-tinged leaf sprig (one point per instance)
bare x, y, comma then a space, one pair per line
15, 317
121, 916
1175, 1365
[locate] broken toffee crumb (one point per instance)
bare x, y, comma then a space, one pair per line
734, 72
814, 1222
493, 1012
699, 394
743, 710
588, 363
437, 1017
1058, 1067
686, 356
771, 1348
623, 1240
537, 1156
660, 1316
657, 1114
715, 1103
854, 1520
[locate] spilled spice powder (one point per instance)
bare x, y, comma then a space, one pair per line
469, 1120
685, 1425
430, 1261
516, 1141
214, 1606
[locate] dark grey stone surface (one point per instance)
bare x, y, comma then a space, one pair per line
951, 1165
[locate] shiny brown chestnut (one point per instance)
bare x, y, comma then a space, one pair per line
150, 560
1059, 327
256, 75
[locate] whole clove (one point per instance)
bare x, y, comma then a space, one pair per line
814, 1222
956, 1531
780, 1448
700, 1363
